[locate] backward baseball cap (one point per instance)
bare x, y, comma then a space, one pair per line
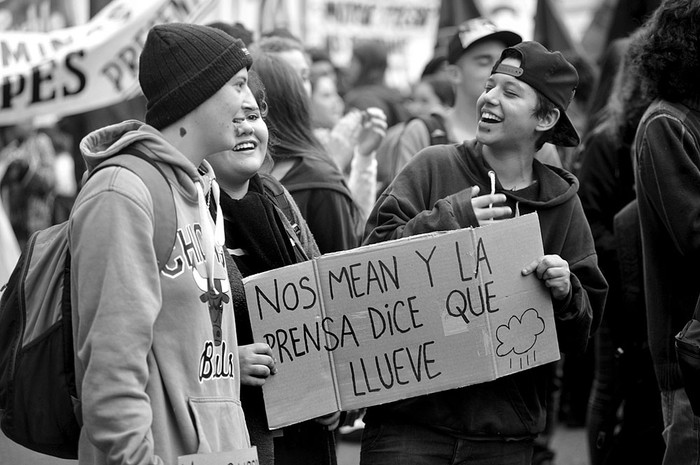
476, 30
551, 75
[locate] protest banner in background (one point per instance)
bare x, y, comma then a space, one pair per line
42, 15
407, 27
81, 68
402, 318
77, 69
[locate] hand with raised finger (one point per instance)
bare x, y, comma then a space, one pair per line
554, 271
486, 207
373, 131
256, 363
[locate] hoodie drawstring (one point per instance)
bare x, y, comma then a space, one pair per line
211, 237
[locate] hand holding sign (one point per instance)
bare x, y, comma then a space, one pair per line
256, 363
554, 271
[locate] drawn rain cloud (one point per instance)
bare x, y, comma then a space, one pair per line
519, 335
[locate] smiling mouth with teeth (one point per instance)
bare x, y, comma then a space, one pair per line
490, 118
244, 146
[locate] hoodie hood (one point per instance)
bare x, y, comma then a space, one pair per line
109, 141
554, 186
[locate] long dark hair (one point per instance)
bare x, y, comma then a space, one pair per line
626, 103
289, 115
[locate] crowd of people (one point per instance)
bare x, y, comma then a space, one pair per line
276, 156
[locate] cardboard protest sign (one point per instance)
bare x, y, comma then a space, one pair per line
403, 318
235, 457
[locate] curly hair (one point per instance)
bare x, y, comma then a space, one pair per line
669, 52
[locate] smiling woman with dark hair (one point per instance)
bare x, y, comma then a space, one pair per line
264, 230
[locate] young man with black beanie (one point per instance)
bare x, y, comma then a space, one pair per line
522, 106
156, 351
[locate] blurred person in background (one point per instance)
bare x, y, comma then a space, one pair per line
433, 94
624, 421
580, 107
236, 30
66, 187
366, 86
290, 50
667, 178
9, 247
436, 66
351, 140
302, 164
28, 179
322, 65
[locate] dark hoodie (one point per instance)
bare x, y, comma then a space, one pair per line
433, 193
325, 202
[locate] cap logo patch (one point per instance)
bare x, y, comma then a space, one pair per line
475, 27
510, 70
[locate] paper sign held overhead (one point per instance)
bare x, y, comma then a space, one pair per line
403, 318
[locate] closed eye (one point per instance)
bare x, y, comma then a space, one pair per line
240, 84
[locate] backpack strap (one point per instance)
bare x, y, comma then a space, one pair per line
161, 192
436, 128
275, 192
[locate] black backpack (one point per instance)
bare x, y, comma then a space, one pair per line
388, 163
37, 372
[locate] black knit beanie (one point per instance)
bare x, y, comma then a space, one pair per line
182, 65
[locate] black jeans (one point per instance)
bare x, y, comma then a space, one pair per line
403, 444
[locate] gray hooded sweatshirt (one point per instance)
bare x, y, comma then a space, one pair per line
156, 351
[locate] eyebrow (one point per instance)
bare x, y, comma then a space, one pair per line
513, 82
250, 107
483, 56
517, 84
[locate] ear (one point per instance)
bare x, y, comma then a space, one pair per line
548, 121
454, 74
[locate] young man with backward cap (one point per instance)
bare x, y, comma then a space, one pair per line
522, 106
471, 54
156, 352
